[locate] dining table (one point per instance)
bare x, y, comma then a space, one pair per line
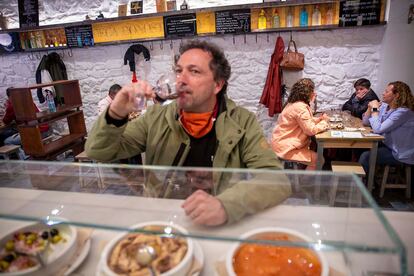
348, 132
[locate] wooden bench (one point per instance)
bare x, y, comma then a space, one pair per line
7, 150
346, 167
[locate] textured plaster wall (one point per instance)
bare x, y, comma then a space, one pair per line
334, 59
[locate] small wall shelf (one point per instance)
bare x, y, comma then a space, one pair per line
153, 26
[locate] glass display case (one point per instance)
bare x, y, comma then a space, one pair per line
331, 215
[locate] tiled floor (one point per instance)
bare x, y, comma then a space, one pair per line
394, 199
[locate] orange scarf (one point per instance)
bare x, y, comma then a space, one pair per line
198, 124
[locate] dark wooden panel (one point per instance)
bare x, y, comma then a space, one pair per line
31, 140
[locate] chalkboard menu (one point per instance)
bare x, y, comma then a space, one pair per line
233, 21
79, 36
358, 13
182, 25
28, 13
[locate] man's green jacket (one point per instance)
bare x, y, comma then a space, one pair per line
241, 144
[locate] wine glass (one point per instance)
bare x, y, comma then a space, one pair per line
164, 89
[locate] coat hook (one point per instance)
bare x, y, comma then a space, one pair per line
245, 39
256, 38
267, 37
161, 45
234, 40
38, 55
171, 45
62, 54
70, 53
290, 35
151, 46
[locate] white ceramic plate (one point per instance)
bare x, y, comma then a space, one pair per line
56, 254
198, 254
80, 259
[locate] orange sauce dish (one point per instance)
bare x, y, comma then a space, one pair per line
269, 260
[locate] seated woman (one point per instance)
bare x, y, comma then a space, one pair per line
358, 103
295, 126
394, 119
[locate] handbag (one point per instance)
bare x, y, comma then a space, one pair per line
292, 60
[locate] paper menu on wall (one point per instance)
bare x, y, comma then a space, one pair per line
350, 134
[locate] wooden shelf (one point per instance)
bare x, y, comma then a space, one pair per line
155, 37
146, 15
29, 120
62, 142
40, 85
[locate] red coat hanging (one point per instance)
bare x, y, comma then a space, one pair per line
272, 96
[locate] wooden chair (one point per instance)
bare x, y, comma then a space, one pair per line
345, 167
7, 150
406, 185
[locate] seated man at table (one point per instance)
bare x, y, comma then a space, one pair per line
201, 128
103, 104
291, 137
394, 119
358, 103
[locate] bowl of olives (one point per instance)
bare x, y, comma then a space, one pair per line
38, 248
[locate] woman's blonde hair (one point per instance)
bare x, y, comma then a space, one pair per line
301, 91
405, 98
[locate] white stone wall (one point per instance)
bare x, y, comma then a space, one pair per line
334, 60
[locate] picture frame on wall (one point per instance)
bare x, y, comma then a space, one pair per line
122, 10
136, 7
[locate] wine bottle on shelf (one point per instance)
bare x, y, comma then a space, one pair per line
261, 22
359, 20
50, 101
33, 40
289, 18
276, 19
329, 16
316, 16
303, 17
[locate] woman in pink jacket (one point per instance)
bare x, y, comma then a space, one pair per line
296, 125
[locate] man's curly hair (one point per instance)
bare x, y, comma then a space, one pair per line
301, 91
